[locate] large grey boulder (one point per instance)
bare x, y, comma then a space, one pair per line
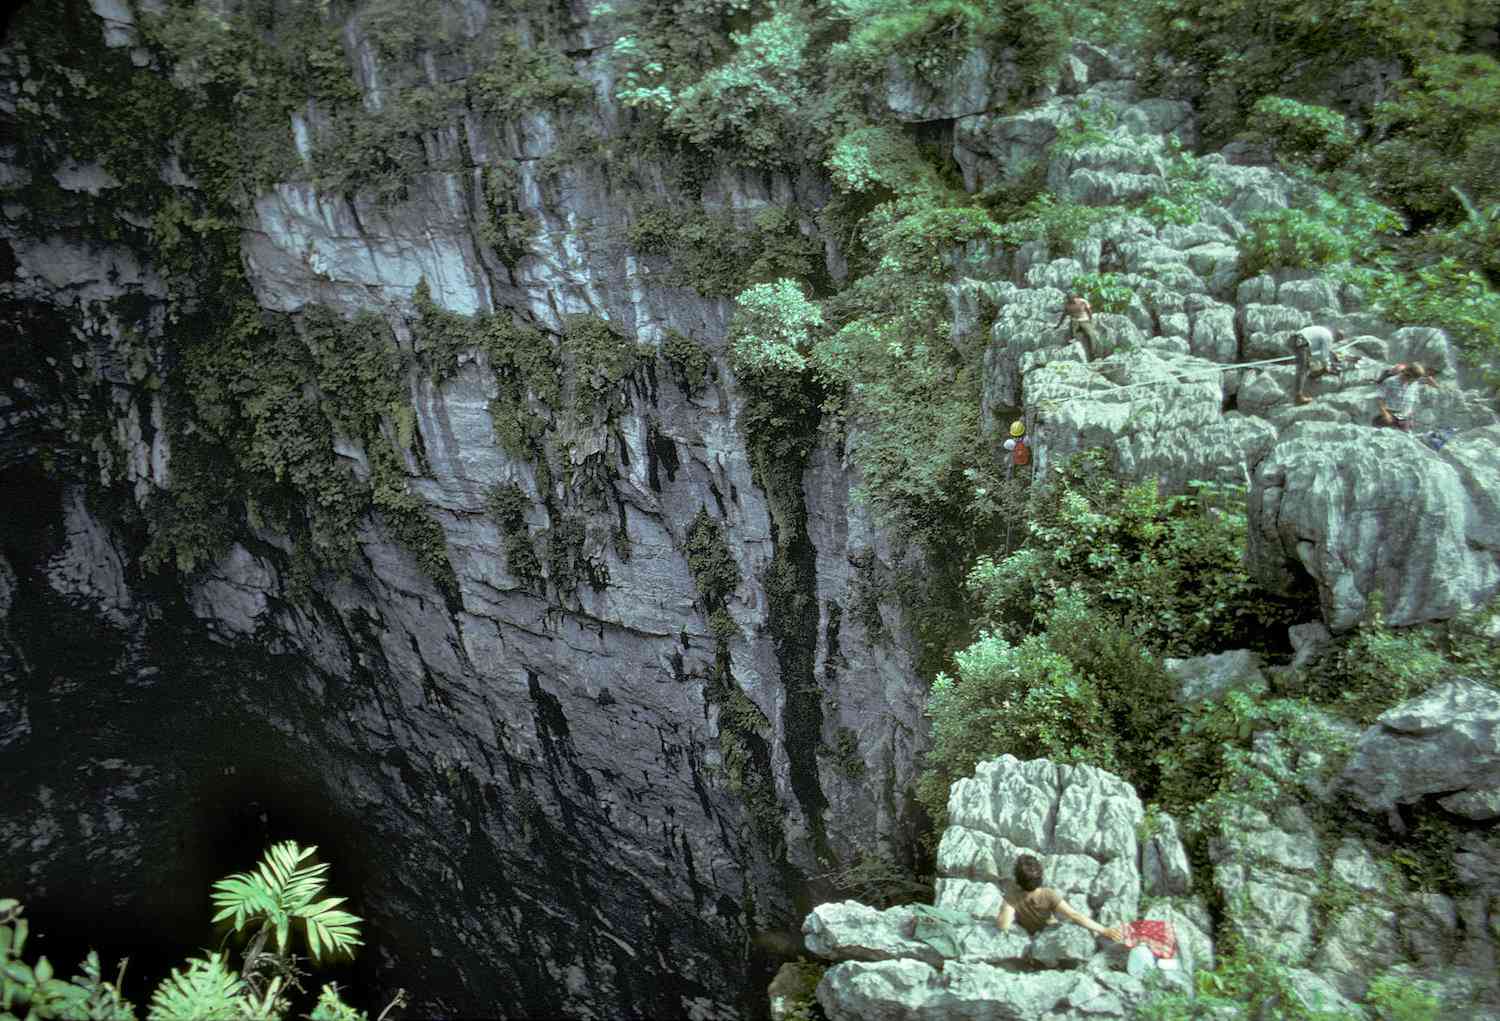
1212, 677
1446, 741
1169, 425
982, 81
1083, 823
1362, 511
914, 991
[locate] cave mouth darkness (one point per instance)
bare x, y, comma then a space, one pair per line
234, 785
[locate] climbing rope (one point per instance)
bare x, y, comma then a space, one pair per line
1052, 403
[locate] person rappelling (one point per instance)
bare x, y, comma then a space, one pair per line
1313, 348
1081, 320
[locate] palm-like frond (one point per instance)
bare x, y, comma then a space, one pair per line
207, 992
284, 887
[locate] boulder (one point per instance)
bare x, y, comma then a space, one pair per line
1168, 426
982, 81
850, 930
1361, 510
1443, 742
1165, 871
913, 991
1212, 677
990, 148
1308, 641
1359, 944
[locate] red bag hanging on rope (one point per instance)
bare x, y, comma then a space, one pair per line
1157, 936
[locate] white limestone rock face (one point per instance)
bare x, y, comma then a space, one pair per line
1446, 741
306, 247
1362, 510
90, 568
912, 990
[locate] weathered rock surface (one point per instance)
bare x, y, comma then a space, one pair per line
526, 790
1083, 823
1364, 511
911, 990
1211, 677
1445, 742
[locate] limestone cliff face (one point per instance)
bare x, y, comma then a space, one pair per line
526, 779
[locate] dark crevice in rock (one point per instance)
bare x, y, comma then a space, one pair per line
778, 457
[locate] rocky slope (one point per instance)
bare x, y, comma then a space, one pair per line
1321, 897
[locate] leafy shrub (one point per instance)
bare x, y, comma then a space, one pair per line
1241, 979
747, 108
1024, 700
1191, 187
267, 905
773, 328
1061, 224
1441, 130
1303, 133
880, 156
1104, 291
1448, 294
1136, 693
688, 361
508, 505
522, 76
1375, 668
1173, 575
715, 573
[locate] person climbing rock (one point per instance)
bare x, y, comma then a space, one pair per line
1020, 453
1034, 904
1398, 394
1313, 347
1081, 316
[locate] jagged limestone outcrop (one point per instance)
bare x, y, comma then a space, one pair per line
1085, 825
1160, 397
1365, 511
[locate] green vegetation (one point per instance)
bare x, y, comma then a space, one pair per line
508, 506
1243, 978
719, 254
1304, 133
266, 907
1170, 573
688, 361
715, 573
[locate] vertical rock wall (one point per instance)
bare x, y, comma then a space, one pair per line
523, 781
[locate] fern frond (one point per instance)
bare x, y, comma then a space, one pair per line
330, 928
242, 896
207, 992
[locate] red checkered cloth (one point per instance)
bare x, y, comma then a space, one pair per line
1156, 935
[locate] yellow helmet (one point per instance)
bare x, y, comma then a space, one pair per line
1017, 429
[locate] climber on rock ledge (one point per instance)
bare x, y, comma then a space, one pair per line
1313, 347
1077, 309
1398, 397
